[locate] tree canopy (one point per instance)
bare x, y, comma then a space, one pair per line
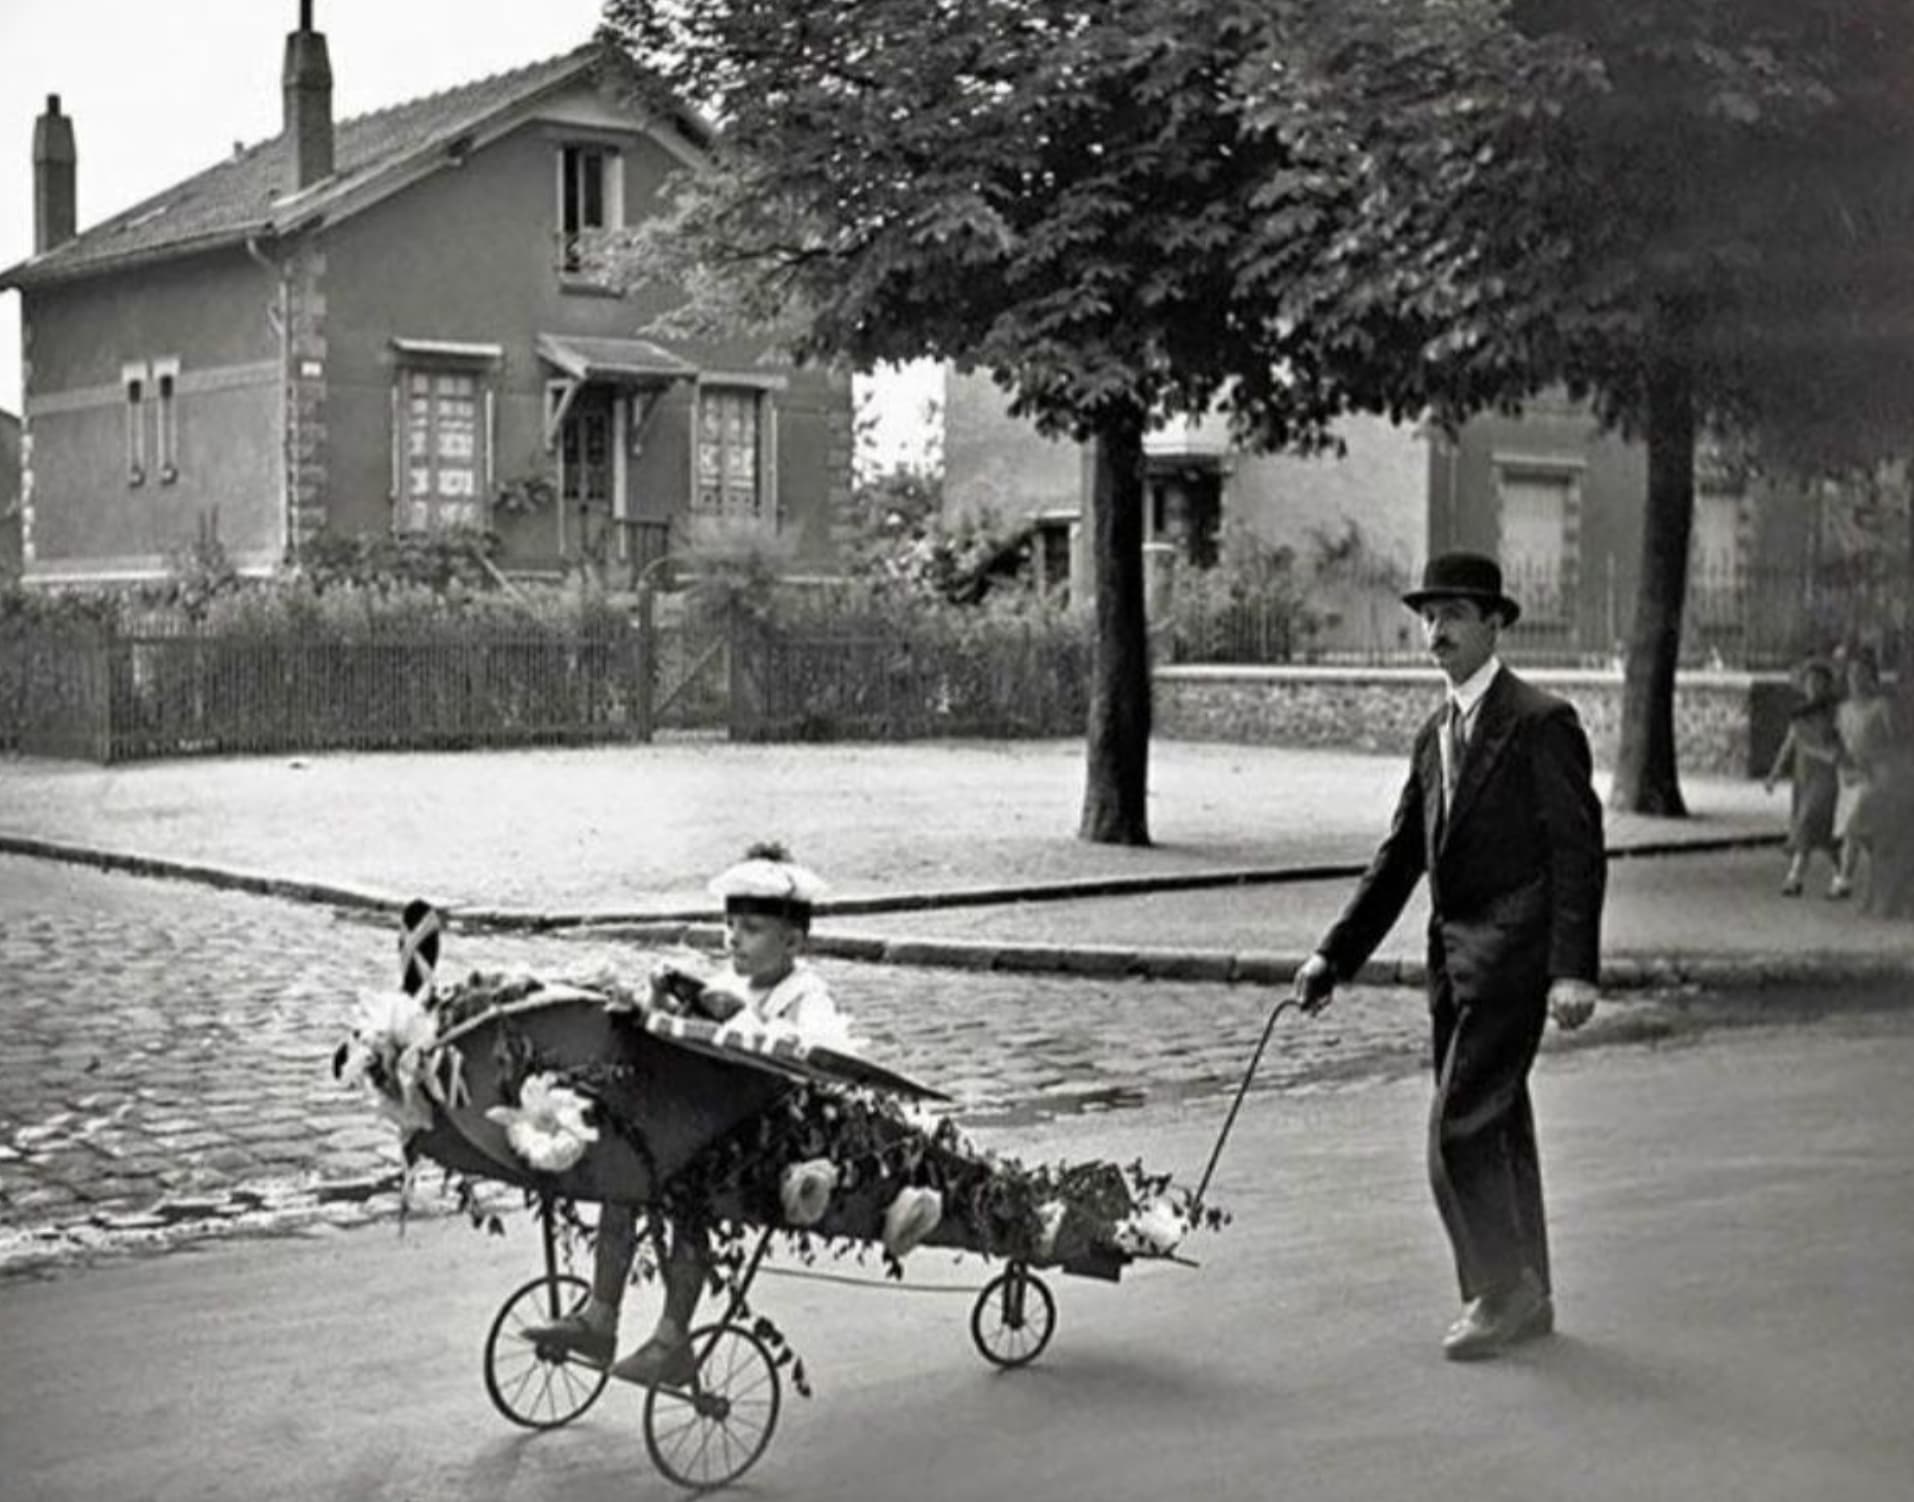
1687, 212
1058, 194
1684, 211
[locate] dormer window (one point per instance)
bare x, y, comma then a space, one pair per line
590, 200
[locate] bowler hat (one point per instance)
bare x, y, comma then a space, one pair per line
1464, 576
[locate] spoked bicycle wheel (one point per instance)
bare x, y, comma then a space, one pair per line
1013, 1318
711, 1432
540, 1386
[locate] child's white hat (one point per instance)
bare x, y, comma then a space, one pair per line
769, 881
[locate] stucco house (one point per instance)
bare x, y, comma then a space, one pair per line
1198, 483
384, 323
1775, 568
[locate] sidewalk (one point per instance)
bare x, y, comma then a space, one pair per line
929, 849
641, 829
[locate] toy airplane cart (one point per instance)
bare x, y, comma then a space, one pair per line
588, 1093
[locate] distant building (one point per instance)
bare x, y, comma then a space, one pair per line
1197, 484
383, 325
1775, 568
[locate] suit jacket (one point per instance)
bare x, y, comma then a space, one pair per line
1516, 871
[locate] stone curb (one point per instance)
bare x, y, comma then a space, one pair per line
1068, 890
336, 894
1621, 972
701, 928
292, 888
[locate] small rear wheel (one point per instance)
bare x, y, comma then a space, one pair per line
537, 1385
711, 1432
1013, 1318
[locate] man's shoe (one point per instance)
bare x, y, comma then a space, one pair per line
570, 1334
1539, 1324
1494, 1322
658, 1363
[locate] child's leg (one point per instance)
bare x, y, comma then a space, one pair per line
666, 1358
1797, 870
616, 1245
685, 1273
592, 1330
1845, 868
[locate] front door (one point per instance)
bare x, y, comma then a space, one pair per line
586, 473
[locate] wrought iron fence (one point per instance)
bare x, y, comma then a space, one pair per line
111, 696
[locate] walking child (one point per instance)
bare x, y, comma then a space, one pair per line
1810, 757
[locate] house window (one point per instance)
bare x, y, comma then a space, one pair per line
728, 480
133, 381
590, 200
1053, 557
1714, 559
1537, 508
166, 424
443, 450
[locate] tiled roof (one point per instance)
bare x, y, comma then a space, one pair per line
246, 194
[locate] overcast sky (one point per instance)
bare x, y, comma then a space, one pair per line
159, 91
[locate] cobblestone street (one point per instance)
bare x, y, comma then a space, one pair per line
165, 1059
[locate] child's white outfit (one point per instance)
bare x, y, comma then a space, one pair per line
799, 1005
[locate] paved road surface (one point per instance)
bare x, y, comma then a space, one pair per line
166, 1053
1732, 1224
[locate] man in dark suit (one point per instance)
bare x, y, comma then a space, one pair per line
1498, 813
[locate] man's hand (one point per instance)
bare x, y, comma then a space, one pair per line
1571, 1002
1315, 984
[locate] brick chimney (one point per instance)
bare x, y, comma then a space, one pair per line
307, 83
55, 202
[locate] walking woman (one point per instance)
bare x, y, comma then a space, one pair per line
1865, 721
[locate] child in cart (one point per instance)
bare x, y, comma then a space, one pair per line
768, 901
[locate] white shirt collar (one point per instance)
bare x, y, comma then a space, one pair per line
1467, 695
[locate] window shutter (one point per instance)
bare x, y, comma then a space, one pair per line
398, 448
768, 460
486, 468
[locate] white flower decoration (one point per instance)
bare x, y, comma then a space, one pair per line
1155, 1230
386, 1052
805, 1190
547, 1128
912, 1216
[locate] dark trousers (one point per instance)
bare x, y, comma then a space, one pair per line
1483, 1163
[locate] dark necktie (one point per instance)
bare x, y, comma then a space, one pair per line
1454, 743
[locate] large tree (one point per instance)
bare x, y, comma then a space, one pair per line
1060, 194
1686, 211
1690, 212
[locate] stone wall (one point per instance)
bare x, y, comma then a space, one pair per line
1725, 723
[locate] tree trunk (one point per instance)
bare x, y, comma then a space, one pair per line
1645, 775
1117, 774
